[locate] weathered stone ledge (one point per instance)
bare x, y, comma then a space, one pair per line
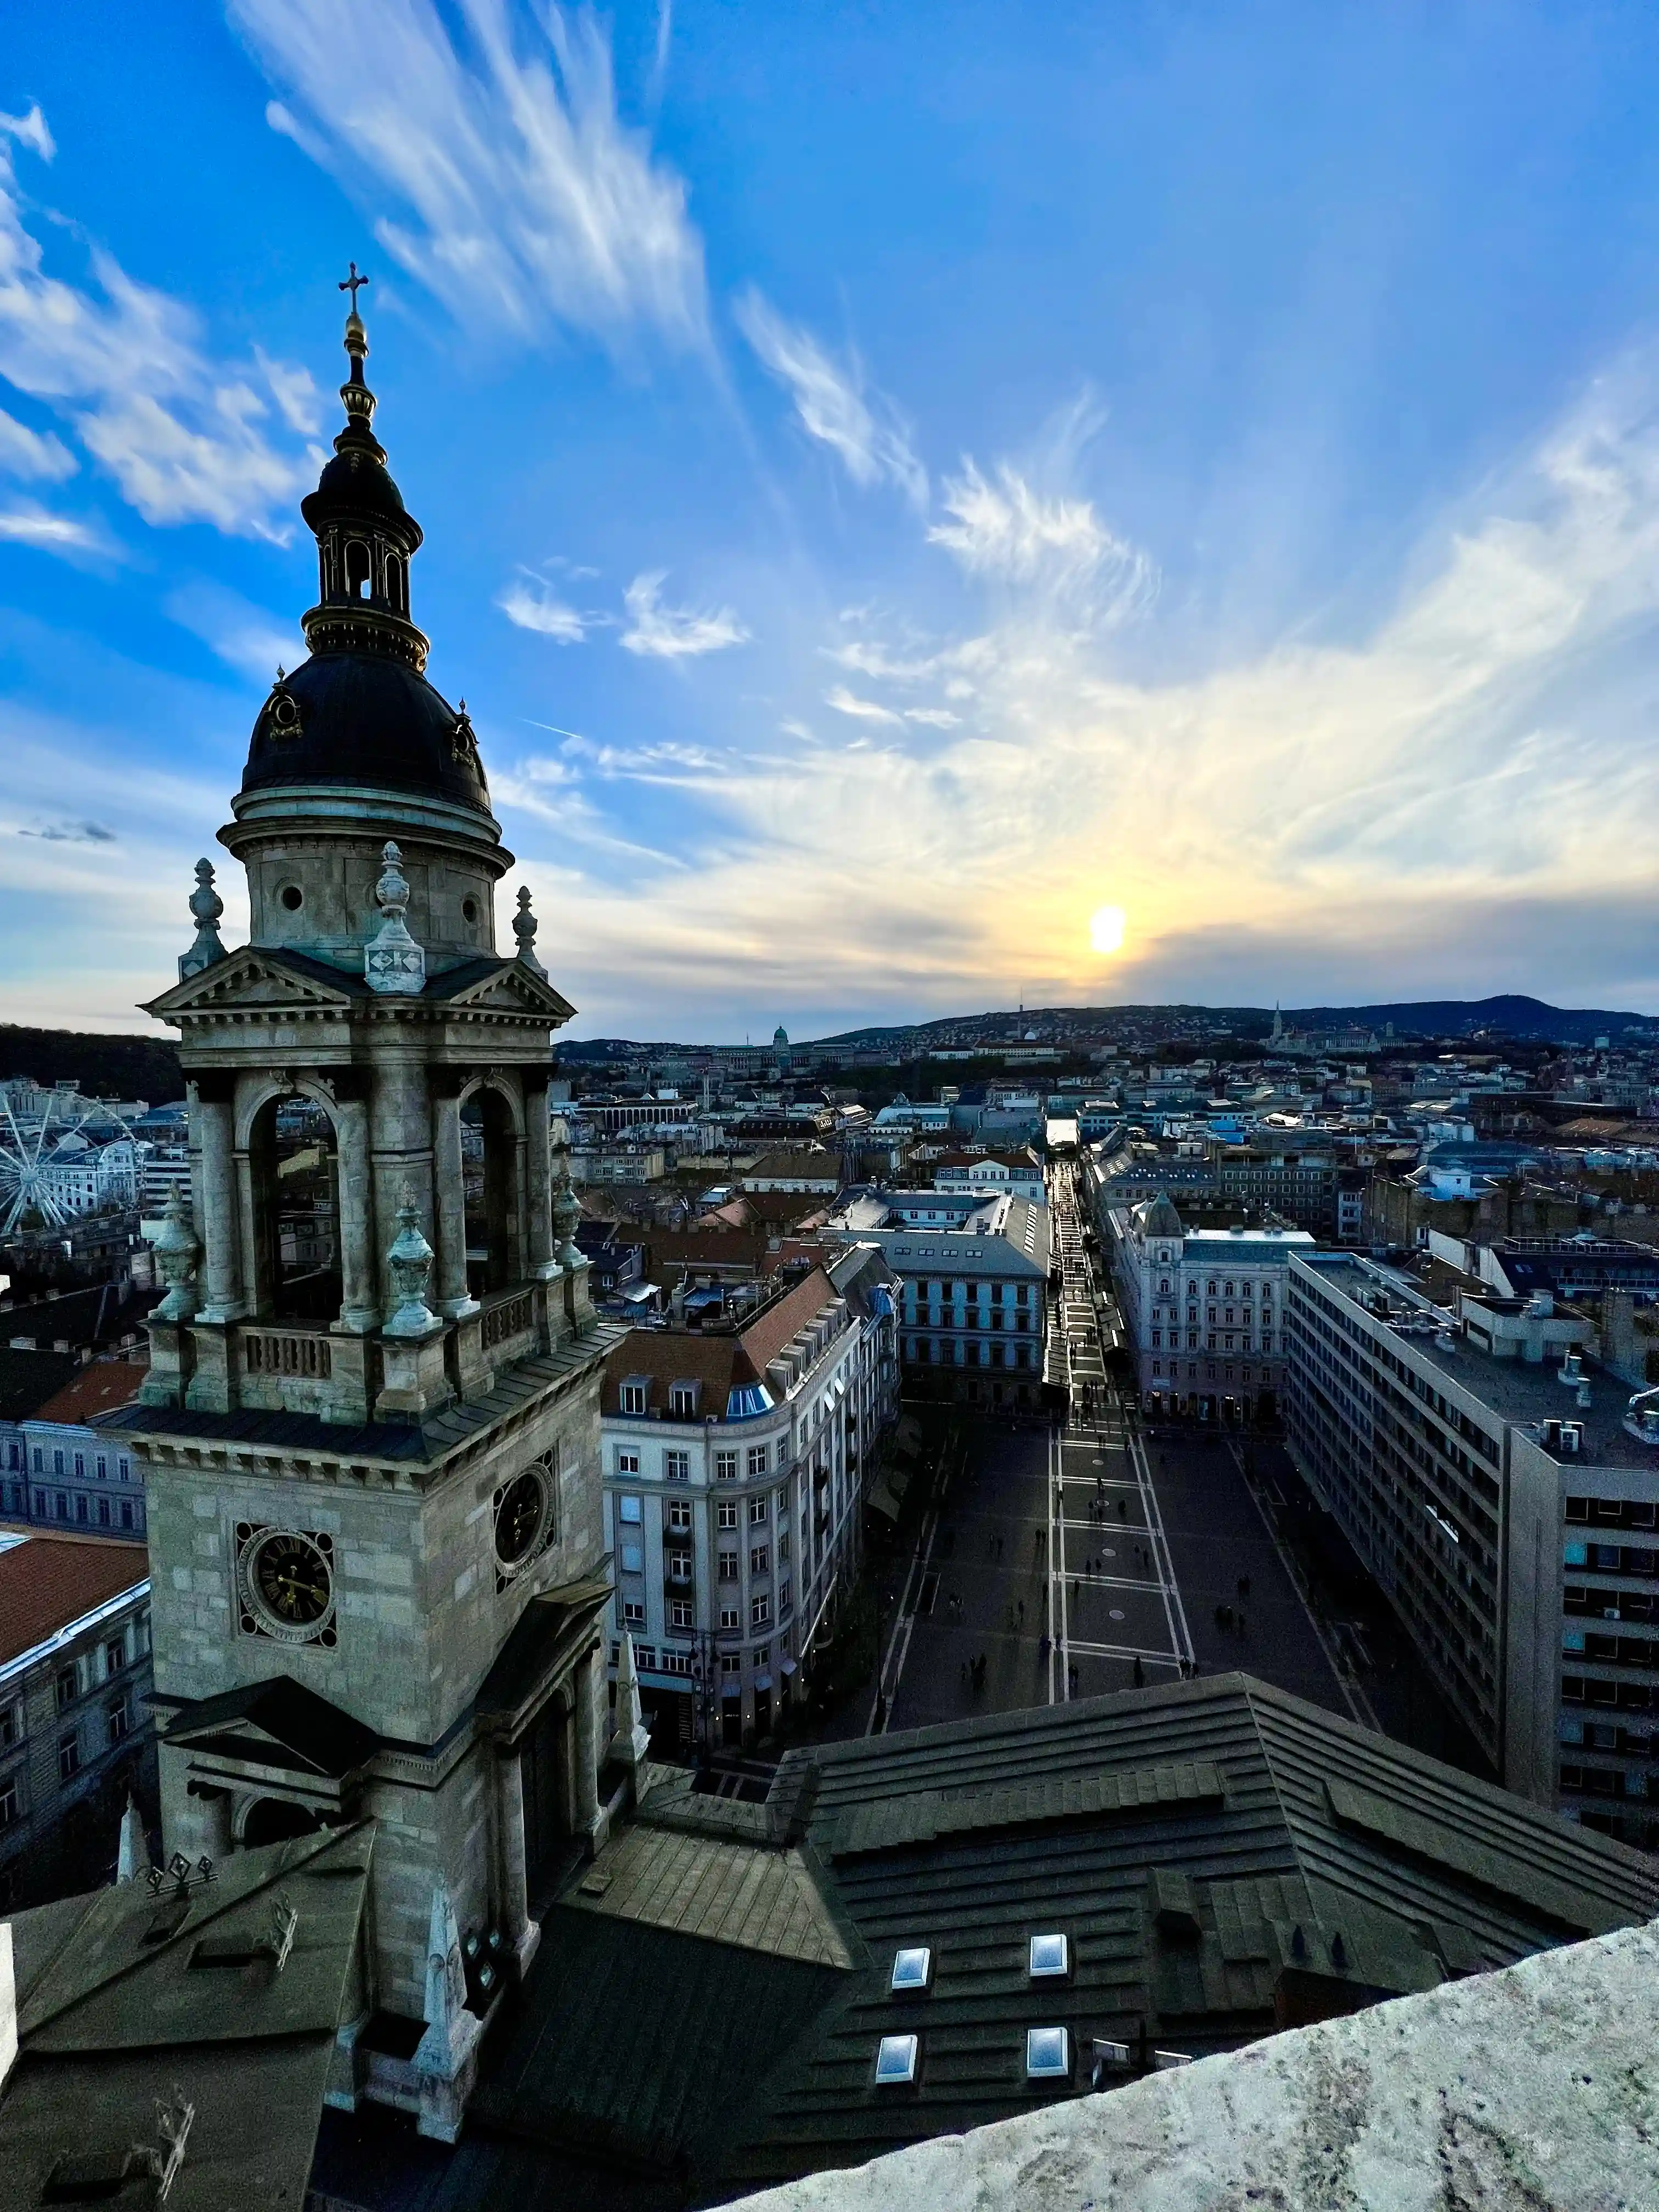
1533, 2090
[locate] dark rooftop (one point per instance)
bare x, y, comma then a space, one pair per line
1223, 1860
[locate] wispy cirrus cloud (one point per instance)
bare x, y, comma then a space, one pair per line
528, 604
1001, 527
27, 523
244, 637
520, 193
860, 710
185, 439
833, 402
656, 632
36, 456
1452, 800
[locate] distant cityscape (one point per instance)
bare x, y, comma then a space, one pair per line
903, 1577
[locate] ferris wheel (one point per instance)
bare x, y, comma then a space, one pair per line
61, 1155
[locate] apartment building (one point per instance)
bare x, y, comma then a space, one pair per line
987, 1174
1297, 1180
1503, 1491
735, 1462
75, 1732
1203, 1310
974, 1301
57, 1473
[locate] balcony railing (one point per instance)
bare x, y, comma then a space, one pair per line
287, 1351
512, 1315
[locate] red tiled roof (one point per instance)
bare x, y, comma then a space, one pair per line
767, 1334
97, 1388
47, 1582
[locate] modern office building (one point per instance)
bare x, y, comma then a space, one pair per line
1503, 1491
735, 1463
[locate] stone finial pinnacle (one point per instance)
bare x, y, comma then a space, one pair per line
408, 1259
206, 906
392, 962
525, 927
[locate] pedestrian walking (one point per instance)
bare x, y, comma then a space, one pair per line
1140, 1675
1022, 1612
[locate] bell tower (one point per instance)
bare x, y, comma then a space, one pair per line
371, 1425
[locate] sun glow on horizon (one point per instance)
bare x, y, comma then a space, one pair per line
1106, 927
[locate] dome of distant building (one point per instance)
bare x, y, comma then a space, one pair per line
1161, 1219
780, 1035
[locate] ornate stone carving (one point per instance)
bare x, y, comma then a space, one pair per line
567, 1213
176, 1250
392, 962
409, 1259
525, 927
207, 906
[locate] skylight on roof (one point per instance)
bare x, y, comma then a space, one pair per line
912, 1969
1048, 2053
1050, 1955
896, 2059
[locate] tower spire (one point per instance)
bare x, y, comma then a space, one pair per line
355, 396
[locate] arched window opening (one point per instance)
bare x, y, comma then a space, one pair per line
278, 1821
297, 1184
358, 569
394, 583
487, 1161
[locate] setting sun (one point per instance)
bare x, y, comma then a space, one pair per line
1106, 929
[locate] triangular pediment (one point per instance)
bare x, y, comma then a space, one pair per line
254, 975
512, 987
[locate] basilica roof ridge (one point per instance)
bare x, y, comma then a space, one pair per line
360, 710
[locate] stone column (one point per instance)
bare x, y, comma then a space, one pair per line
218, 1225
449, 1196
585, 1810
360, 1309
538, 1181
520, 1930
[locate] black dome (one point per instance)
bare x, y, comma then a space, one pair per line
367, 718
357, 483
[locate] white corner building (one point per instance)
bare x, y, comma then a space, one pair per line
736, 1461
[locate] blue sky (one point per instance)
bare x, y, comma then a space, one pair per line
900, 482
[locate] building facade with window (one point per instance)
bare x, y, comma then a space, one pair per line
57, 1473
76, 1736
1203, 1310
735, 1463
1503, 1490
974, 1310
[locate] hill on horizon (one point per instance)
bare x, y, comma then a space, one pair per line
1510, 1014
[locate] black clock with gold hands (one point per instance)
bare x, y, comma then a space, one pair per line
518, 1518
292, 1579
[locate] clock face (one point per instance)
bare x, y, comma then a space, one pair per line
518, 1513
292, 1581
